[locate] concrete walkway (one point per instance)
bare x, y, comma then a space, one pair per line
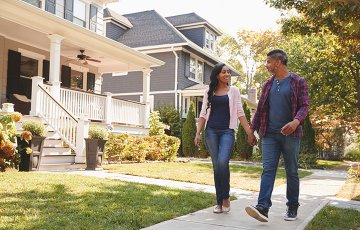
316, 191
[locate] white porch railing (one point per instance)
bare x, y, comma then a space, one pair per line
127, 112
57, 117
85, 104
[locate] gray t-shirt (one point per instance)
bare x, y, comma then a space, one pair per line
279, 105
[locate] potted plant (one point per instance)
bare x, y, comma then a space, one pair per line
95, 146
30, 145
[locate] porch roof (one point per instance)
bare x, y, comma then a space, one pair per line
30, 25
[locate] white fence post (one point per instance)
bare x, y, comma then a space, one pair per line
146, 95
35, 95
82, 132
108, 108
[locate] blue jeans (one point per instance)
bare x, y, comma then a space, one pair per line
272, 145
220, 143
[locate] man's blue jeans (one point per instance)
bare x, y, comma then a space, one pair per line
220, 143
272, 146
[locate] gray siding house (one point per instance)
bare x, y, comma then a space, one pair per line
186, 43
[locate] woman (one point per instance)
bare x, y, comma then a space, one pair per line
219, 113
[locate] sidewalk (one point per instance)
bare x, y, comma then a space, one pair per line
316, 191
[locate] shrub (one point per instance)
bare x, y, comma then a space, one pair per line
308, 151
203, 152
171, 117
353, 155
125, 147
156, 126
188, 134
35, 127
96, 132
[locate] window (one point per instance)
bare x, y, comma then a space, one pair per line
209, 40
79, 13
28, 67
199, 71
77, 79
36, 3
192, 68
93, 18
196, 70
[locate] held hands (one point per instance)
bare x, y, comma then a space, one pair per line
252, 139
290, 127
197, 140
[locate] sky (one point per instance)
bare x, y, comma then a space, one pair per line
229, 16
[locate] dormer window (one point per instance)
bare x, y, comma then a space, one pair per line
209, 40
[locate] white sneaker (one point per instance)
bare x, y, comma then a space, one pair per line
226, 209
217, 209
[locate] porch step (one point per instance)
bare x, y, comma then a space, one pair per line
57, 159
61, 167
53, 142
47, 151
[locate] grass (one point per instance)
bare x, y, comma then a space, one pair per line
335, 219
242, 177
50, 201
325, 164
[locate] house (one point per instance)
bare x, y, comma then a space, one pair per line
186, 43
53, 59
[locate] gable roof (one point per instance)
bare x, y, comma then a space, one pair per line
149, 29
190, 19
110, 14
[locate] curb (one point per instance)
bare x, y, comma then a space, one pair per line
312, 215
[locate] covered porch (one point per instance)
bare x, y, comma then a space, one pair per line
57, 67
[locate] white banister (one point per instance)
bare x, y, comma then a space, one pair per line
108, 108
35, 95
81, 133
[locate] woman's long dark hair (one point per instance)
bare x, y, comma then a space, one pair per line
213, 82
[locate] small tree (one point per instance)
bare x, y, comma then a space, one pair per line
241, 145
156, 126
188, 133
308, 152
171, 117
203, 152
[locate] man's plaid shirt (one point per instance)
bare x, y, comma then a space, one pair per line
299, 105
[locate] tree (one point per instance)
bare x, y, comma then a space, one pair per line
188, 134
241, 145
171, 117
249, 50
308, 151
338, 17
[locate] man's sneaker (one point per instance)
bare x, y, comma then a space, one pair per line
291, 212
259, 212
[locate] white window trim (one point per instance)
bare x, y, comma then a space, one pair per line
39, 57
214, 41
196, 63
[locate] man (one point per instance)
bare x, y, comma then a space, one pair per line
282, 108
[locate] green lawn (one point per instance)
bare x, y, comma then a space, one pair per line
325, 164
335, 219
243, 177
50, 201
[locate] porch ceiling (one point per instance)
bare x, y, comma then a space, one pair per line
30, 25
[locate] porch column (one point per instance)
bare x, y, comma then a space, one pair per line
81, 133
146, 96
54, 75
35, 95
108, 108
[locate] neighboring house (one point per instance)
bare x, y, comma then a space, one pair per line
186, 43
53, 56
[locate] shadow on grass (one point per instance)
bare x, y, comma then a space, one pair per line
77, 202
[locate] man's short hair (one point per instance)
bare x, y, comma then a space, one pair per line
279, 54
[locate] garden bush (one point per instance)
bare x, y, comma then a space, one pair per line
352, 155
125, 147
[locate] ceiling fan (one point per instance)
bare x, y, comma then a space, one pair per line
84, 58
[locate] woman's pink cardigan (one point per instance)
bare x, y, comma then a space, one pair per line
235, 105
